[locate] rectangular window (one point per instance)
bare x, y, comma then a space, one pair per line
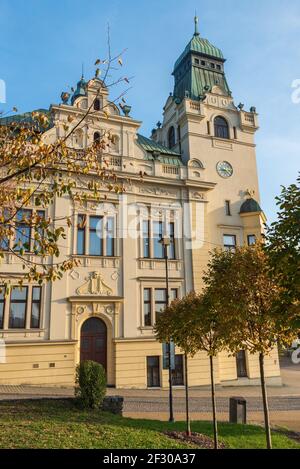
35, 308
18, 304
96, 236
157, 236
229, 242
241, 364
2, 306
177, 374
208, 127
203, 63
4, 243
146, 239
147, 307
171, 249
160, 300
197, 61
23, 230
251, 240
81, 226
227, 208
153, 374
219, 67
37, 243
110, 237
234, 133
212, 65
173, 294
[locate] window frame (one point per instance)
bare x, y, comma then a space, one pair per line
25, 302
230, 247
171, 137
173, 294
39, 302
248, 239
107, 241
228, 208
3, 304
167, 227
221, 130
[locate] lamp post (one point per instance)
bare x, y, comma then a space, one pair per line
165, 242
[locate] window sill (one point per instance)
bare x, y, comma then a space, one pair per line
20, 330
87, 256
158, 259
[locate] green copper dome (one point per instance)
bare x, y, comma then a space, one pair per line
201, 46
199, 68
80, 90
250, 206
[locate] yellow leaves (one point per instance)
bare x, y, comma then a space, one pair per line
98, 61
97, 72
120, 61
70, 118
106, 114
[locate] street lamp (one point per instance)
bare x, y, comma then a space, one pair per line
165, 242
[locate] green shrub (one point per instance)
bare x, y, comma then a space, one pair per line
90, 384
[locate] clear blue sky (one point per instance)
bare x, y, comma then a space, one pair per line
44, 42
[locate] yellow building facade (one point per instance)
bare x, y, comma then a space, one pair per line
199, 186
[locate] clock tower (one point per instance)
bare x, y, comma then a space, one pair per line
215, 138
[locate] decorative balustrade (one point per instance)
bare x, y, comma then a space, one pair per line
171, 170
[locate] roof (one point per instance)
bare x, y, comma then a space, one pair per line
80, 90
166, 154
250, 206
195, 80
198, 81
201, 46
26, 118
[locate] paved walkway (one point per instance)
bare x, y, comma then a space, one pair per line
284, 401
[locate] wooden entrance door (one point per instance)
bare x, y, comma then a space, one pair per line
93, 341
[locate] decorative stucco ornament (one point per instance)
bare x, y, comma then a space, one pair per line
95, 286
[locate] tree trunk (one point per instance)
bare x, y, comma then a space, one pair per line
188, 422
265, 401
213, 396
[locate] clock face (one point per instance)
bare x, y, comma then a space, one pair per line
224, 169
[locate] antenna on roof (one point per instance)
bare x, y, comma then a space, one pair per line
196, 20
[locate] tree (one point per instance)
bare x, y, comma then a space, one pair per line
249, 299
283, 242
34, 173
192, 324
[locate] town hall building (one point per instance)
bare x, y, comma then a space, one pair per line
199, 185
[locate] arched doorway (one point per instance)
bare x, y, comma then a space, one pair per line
93, 341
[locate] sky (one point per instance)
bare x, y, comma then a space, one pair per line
44, 43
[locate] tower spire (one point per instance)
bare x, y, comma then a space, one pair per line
196, 20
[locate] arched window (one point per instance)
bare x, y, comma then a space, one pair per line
171, 137
96, 137
97, 105
221, 127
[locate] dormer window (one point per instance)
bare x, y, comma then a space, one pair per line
197, 61
212, 65
97, 105
219, 67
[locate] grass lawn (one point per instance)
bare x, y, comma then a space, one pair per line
60, 424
